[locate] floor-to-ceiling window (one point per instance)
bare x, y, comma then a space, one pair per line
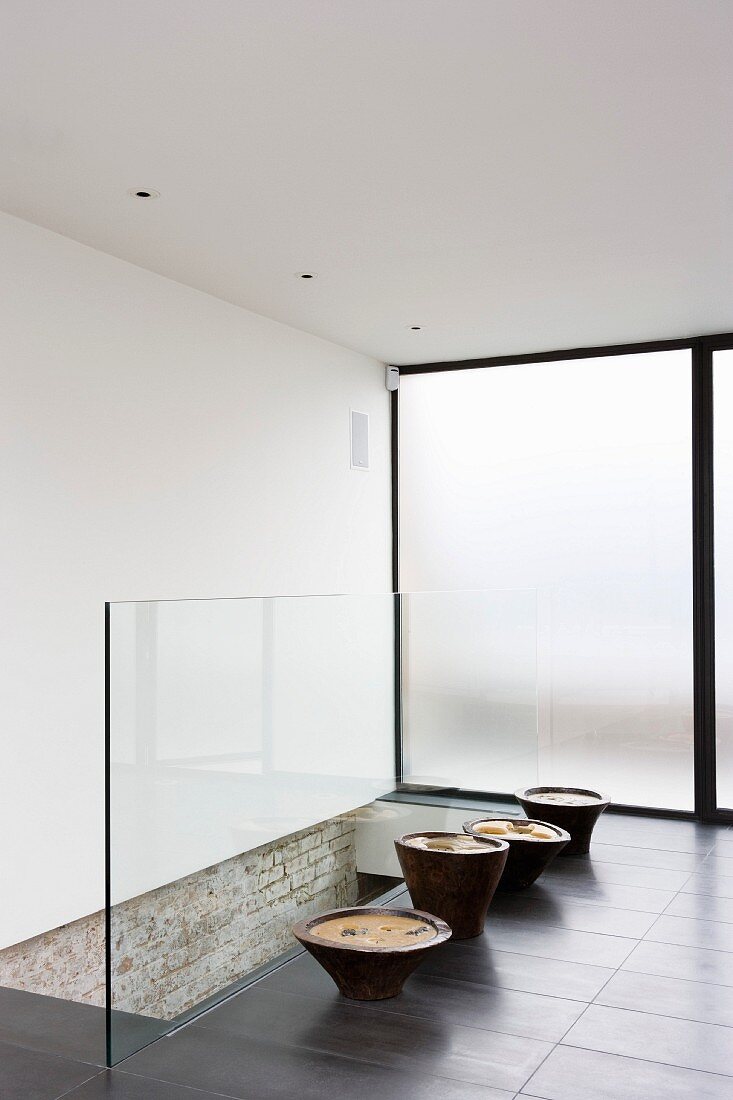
572, 479
723, 481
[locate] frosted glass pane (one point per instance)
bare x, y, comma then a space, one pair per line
470, 665
723, 475
573, 479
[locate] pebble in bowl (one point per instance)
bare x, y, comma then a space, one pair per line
533, 845
575, 809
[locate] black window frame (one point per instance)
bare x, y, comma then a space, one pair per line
702, 350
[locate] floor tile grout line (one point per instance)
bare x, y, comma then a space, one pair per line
689, 916
507, 988
645, 866
693, 946
429, 1019
585, 931
594, 906
664, 911
652, 974
80, 1085
662, 1015
556, 1044
366, 1062
624, 1058
562, 889
593, 1002
566, 962
561, 1040
177, 1085
52, 1054
654, 1061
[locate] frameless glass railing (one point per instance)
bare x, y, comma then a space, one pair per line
264, 753
242, 734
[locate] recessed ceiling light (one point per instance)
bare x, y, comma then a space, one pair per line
305, 275
143, 193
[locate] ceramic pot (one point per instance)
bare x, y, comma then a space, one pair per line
361, 970
455, 885
528, 856
576, 818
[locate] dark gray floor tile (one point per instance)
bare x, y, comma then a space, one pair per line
531, 973
717, 864
658, 858
621, 874
56, 1026
571, 913
677, 836
701, 906
693, 964
692, 932
65, 1027
32, 1075
438, 1000
723, 847
505, 970
114, 1085
635, 898
706, 1047
549, 942
573, 1074
250, 1070
718, 886
708, 1004
385, 1038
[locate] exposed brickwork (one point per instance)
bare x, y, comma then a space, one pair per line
66, 962
177, 945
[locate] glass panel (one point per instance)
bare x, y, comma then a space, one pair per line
723, 478
574, 479
243, 735
469, 692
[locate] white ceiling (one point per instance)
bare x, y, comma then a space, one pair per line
513, 175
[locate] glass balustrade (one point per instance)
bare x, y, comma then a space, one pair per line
255, 777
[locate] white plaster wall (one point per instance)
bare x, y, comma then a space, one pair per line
155, 443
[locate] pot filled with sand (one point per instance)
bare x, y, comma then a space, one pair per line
532, 846
574, 809
453, 875
370, 952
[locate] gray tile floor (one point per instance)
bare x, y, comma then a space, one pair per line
611, 979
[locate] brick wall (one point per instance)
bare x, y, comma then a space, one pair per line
177, 945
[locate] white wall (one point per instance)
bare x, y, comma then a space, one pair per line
156, 443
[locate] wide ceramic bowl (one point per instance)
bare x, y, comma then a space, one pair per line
575, 809
533, 845
457, 885
370, 951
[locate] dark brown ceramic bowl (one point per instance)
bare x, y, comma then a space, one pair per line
367, 973
456, 886
579, 821
527, 859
